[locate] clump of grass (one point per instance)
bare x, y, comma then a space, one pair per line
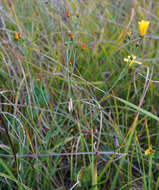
79, 86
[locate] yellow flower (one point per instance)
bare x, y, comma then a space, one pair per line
131, 59
143, 26
149, 151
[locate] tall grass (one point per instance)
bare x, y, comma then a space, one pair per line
73, 117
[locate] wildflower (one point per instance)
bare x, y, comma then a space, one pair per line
83, 46
16, 35
143, 26
68, 13
71, 35
149, 151
19, 35
69, 62
131, 59
41, 77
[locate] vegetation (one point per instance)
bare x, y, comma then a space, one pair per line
79, 94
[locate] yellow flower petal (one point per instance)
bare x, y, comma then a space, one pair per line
138, 62
131, 62
126, 60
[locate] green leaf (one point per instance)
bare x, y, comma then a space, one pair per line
137, 108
